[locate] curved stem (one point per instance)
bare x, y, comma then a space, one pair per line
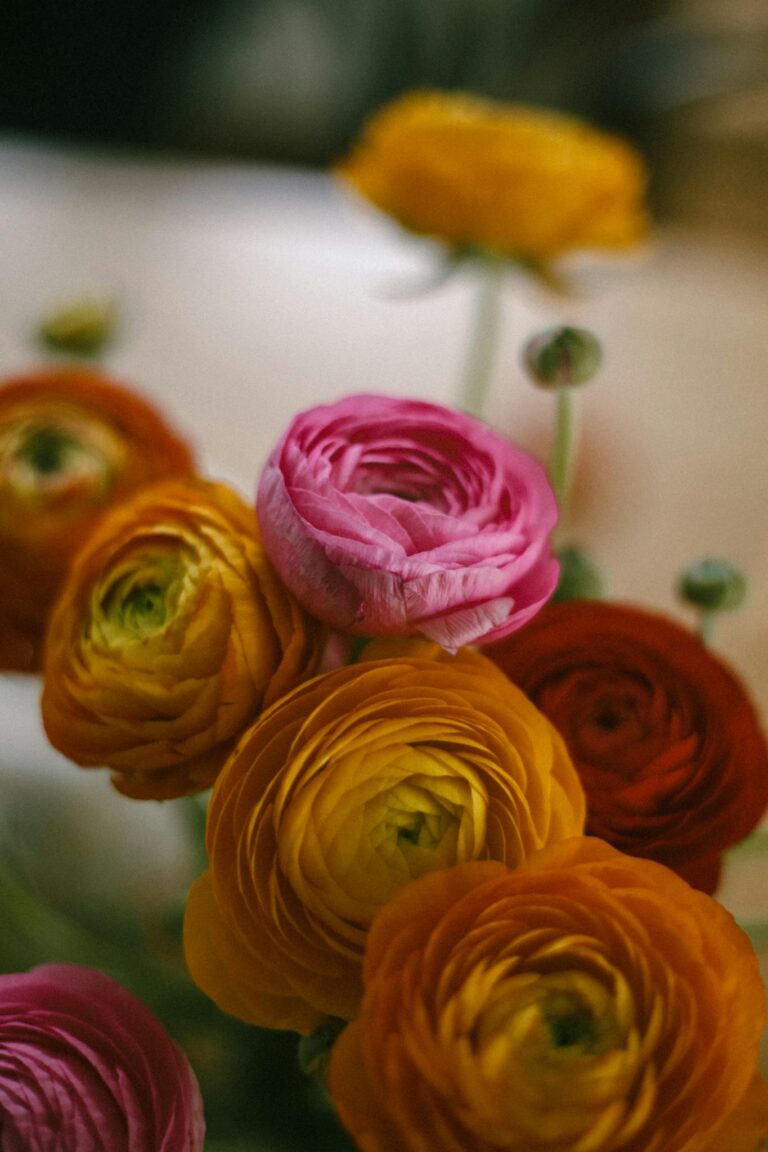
483, 341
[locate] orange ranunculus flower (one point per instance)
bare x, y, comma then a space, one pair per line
523, 182
72, 442
339, 795
585, 1001
667, 743
170, 635
746, 1129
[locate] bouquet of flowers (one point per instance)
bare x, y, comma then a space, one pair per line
467, 817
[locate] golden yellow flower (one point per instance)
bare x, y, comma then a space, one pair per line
344, 791
523, 182
170, 635
584, 1002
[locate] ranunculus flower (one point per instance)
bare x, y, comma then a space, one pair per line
526, 183
667, 743
86, 1067
392, 517
72, 442
746, 1129
586, 1000
342, 793
170, 635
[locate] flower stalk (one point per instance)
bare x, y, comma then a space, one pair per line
484, 334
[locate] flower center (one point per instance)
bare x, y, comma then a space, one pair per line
570, 1023
47, 450
143, 593
60, 466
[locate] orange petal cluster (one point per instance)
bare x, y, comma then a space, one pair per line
586, 1001
343, 792
523, 182
170, 635
72, 443
668, 745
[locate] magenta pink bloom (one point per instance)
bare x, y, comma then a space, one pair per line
390, 517
85, 1067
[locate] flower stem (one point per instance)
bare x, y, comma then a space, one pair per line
561, 447
483, 341
706, 627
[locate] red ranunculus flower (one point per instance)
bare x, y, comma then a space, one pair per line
668, 745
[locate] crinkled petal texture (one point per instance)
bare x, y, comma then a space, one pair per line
586, 1002
343, 792
391, 517
527, 183
72, 443
170, 635
85, 1067
667, 743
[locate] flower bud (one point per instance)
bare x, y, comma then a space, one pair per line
712, 585
562, 357
81, 328
580, 578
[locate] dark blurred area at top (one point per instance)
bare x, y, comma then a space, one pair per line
292, 80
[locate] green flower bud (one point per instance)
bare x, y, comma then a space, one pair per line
562, 357
580, 578
712, 586
81, 328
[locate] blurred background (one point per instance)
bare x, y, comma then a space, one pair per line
170, 156
292, 80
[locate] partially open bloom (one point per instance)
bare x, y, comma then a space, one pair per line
667, 743
170, 635
72, 442
391, 517
85, 1067
526, 183
586, 1000
339, 795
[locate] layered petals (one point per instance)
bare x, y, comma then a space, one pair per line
343, 792
668, 745
170, 635
528, 183
72, 443
85, 1067
394, 517
585, 1001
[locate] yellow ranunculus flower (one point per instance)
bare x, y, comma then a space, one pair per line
359, 781
170, 635
584, 1002
523, 182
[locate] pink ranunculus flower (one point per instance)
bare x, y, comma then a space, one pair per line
85, 1067
391, 517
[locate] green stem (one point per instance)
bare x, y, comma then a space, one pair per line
706, 627
561, 448
483, 341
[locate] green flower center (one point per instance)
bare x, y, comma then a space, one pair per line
144, 594
41, 462
570, 1023
48, 450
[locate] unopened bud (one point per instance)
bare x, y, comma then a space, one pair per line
580, 577
712, 586
562, 357
82, 328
